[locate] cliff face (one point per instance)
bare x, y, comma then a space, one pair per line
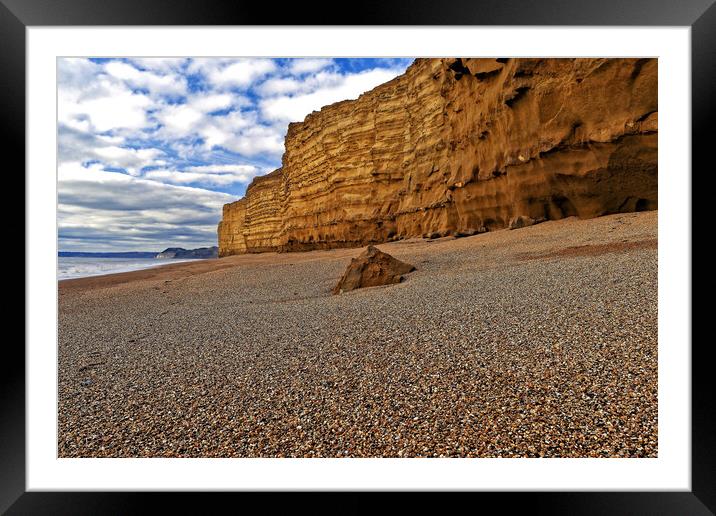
253, 224
459, 146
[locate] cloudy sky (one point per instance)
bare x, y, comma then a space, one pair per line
151, 148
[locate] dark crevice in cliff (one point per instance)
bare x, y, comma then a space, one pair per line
646, 115
642, 205
565, 206
568, 145
482, 76
459, 68
637, 68
516, 95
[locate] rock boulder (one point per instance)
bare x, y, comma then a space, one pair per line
371, 269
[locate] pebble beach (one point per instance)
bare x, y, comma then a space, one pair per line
535, 342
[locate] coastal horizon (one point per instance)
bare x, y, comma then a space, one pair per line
74, 264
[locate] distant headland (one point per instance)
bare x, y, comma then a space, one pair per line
170, 252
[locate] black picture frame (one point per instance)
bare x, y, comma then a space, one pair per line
17, 15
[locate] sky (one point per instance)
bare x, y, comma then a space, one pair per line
150, 149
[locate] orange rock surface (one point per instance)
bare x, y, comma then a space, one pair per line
372, 268
458, 146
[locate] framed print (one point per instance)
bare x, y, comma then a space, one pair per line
435, 249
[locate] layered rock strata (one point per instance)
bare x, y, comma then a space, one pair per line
459, 146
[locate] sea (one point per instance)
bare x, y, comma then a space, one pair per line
80, 266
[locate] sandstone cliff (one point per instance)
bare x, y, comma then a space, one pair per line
458, 146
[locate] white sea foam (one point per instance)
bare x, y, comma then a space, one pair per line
80, 267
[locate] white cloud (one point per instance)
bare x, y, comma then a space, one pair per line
306, 84
295, 108
210, 175
79, 146
130, 159
102, 97
305, 65
232, 73
117, 110
163, 195
160, 64
178, 120
193, 119
256, 140
237, 131
75, 73
213, 102
279, 85
220, 169
104, 104
167, 84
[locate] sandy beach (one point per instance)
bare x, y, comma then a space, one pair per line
537, 342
